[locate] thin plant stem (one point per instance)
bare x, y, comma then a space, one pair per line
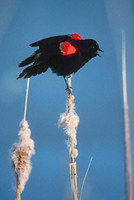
85, 177
26, 98
126, 125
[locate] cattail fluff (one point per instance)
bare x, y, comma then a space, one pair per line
21, 154
70, 121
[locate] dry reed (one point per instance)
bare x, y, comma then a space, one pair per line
20, 156
21, 153
70, 121
126, 125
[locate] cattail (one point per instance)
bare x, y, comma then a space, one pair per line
21, 153
69, 120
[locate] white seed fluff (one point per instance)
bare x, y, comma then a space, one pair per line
21, 154
69, 120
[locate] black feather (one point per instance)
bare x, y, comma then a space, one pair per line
33, 70
30, 59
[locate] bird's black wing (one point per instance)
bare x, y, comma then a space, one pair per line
49, 54
50, 40
33, 70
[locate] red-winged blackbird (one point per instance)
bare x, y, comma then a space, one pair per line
63, 54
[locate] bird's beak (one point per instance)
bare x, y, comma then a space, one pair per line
98, 54
100, 50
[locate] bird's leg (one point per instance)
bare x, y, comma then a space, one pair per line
69, 77
68, 89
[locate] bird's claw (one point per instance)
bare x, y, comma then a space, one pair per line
69, 76
69, 90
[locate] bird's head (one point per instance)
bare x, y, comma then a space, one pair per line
93, 47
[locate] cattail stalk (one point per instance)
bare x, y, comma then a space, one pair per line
73, 172
70, 121
17, 193
126, 125
17, 196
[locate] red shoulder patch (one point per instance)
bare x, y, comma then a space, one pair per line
67, 48
75, 36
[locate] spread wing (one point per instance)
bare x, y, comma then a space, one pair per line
50, 40
50, 49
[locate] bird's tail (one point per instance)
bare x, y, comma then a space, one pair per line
35, 68
30, 59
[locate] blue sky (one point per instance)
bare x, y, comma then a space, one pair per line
97, 88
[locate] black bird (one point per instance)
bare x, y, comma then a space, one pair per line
64, 54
